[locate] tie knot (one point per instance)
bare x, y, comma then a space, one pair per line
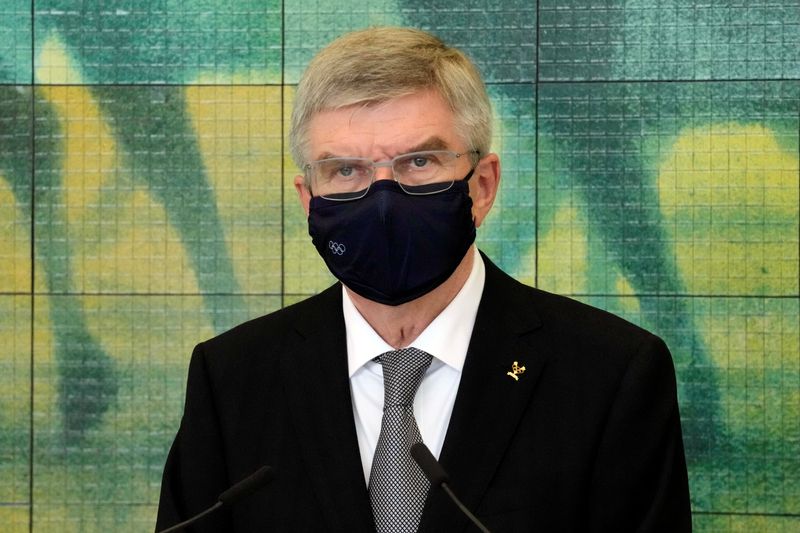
402, 374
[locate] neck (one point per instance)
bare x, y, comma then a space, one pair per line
400, 325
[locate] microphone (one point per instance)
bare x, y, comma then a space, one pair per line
439, 478
237, 492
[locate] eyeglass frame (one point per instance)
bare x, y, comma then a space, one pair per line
374, 165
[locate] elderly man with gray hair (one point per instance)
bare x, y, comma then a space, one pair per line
548, 415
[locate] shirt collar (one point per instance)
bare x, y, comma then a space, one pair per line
446, 338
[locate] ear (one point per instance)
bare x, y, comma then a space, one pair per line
303, 192
483, 186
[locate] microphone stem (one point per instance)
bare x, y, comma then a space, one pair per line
185, 523
464, 509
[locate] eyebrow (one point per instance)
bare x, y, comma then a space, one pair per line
432, 143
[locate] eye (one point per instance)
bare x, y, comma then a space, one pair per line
420, 161
345, 171
348, 171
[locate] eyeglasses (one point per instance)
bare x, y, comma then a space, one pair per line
417, 173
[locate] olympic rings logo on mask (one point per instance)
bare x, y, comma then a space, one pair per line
337, 248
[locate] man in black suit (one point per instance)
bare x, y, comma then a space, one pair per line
548, 415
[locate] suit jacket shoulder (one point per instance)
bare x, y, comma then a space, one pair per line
274, 330
566, 419
580, 330
274, 391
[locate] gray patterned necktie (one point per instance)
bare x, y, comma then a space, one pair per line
397, 486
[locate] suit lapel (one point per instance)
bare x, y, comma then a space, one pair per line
486, 413
318, 390
489, 402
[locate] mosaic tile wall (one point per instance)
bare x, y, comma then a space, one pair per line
651, 167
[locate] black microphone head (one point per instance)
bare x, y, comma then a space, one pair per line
247, 486
429, 465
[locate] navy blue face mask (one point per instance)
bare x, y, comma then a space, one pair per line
390, 246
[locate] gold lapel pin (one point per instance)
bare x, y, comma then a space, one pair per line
516, 370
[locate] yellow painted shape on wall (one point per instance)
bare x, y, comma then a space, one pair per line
629, 304
120, 238
15, 251
728, 193
564, 260
754, 344
15, 401
15, 332
14, 519
77, 516
239, 133
45, 373
305, 272
505, 208
54, 64
564, 250
150, 339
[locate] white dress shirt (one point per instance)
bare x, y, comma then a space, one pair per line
446, 339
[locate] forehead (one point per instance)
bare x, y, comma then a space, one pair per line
383, 130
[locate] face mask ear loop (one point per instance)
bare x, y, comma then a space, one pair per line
469, 175
472, 170
466, 179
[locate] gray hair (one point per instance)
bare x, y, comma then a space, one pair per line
374, 65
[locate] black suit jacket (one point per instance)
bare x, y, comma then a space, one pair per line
588, 438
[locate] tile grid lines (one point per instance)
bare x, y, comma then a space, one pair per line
283, 151
653, 80
160, 84
536, 156
98, 504
537, 81
704, 513
32, 114
255, 294
744, 513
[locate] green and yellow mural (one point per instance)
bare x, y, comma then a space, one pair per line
651, 166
